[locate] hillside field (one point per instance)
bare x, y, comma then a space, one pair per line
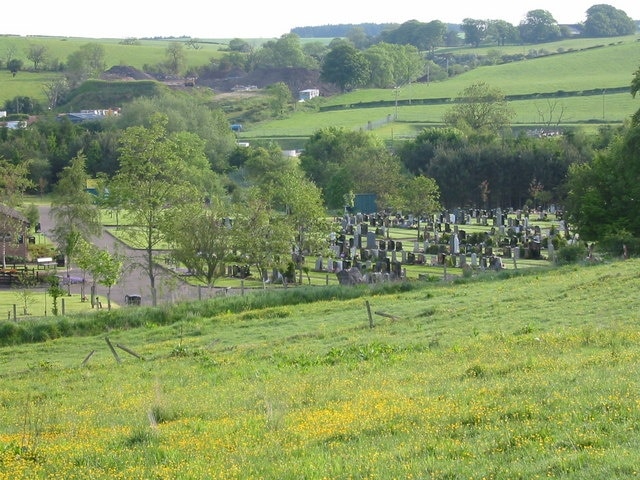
531, 375
563, 70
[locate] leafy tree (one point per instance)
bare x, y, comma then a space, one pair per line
285, 52
152, 183
339, 160
358, 37
86, 62
176, 57
502, 32
263, 237
481, 109
604, 194
423, 36
55, 291
239, 45
73, 210
607, 21
55, 91
421, 197
10, 52
346, 67
316, 50
417, 154
202, 239
475, 31
37, 54
106, 269
394, 65
301, 201
539, 26
263, 165
13, 183
280, 97
14, 66
635, 88
186, 114
25, 105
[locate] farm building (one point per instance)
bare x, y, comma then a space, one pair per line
308, 94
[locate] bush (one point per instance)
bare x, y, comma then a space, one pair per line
570, 254
614, 244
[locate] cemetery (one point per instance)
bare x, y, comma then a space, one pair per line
378, 247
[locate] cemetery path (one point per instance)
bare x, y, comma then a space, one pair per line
134, 280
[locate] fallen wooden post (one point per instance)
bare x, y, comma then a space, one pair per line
388, 315
86, 359
129, 351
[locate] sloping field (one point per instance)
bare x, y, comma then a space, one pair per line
507, 377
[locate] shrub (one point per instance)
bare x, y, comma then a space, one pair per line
570, 254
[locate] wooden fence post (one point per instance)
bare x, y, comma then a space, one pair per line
369, 313
113, 350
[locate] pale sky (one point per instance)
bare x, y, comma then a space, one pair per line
260, 18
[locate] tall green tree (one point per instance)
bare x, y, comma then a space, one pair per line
604, 194
263, 237
502, 32
346, 67
86, 62
423, 36
285, 52
480, 109
279, 98
301, 201
607, 21
152, 183
394, 65
176, 57
475, 31
14, 182
202, 239
539, 26
73, 209
421, 197
37, 53
106, 269
339, 160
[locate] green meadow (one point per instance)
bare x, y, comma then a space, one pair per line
556, 83
506, 375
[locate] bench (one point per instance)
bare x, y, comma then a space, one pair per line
46, 262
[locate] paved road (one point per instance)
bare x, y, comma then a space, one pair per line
134, 280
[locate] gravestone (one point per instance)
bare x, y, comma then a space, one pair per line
371, 240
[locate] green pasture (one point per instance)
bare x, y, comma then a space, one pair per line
39, 303
599, 68
148, 52
584, 111
518, 376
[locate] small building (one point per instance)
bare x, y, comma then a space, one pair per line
308, 94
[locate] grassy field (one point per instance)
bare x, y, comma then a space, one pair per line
586, 64
526, 376
147, 52
606, 67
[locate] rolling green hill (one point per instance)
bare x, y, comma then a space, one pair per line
525, 376
573, 82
